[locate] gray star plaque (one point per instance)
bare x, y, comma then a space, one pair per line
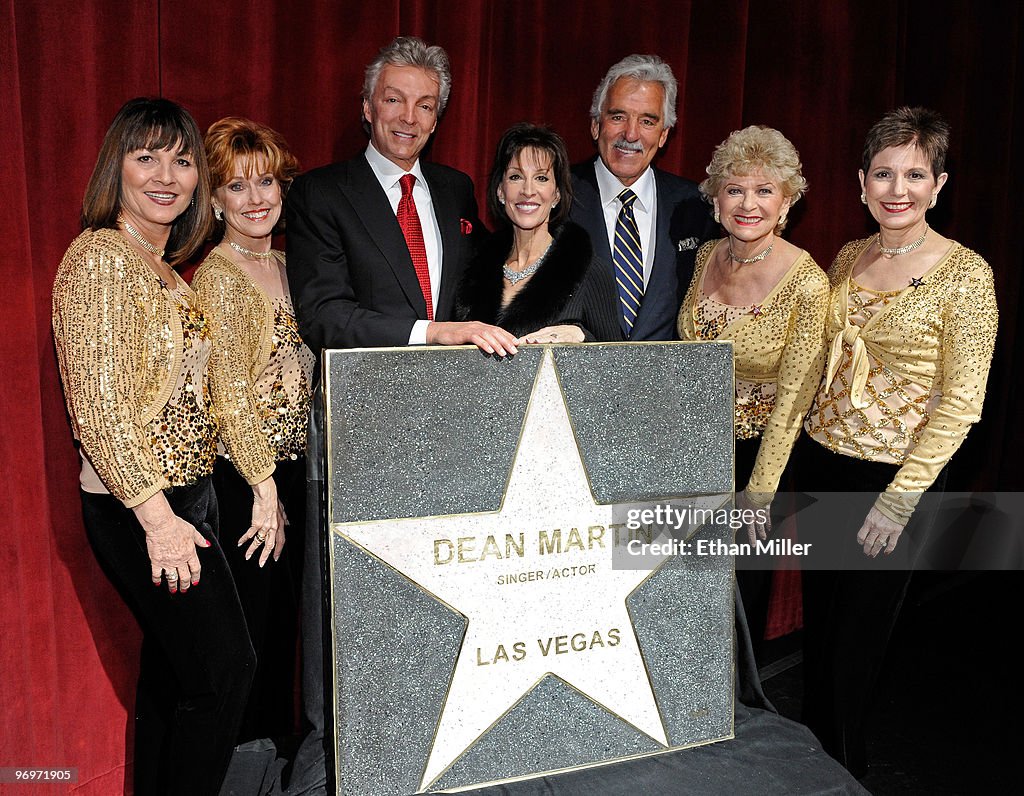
482, 630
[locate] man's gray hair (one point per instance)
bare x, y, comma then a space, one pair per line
411, 51
647, 69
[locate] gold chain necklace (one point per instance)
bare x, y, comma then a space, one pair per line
138, 236
748, 260
249, 252
890, 253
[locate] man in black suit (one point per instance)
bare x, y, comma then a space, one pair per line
376, 248
648, 236
352, 260
662, 220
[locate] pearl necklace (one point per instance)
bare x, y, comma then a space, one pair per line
748, 260
250, 253
145, 244
890, 253
514, 277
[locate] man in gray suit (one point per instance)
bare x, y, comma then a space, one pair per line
645, 223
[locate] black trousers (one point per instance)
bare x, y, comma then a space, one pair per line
269, 594
308, 773
753, 575
197, 662
851, 607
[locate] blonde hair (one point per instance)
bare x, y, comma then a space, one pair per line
756, 148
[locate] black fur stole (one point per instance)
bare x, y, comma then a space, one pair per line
543, 298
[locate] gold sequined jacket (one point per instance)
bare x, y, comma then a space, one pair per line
242, 319
782, 343
939, 336
119, 350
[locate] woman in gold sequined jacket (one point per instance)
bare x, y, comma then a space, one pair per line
133, 344
260, 374
911, 326
768, 297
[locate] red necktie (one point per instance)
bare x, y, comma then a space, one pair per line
409, 221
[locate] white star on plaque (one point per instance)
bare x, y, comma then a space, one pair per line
565, 612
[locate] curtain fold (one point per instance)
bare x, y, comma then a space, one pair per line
821, 73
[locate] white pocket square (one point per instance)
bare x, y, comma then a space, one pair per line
688, 243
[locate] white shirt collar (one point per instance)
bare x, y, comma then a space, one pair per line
610, 187
389, 173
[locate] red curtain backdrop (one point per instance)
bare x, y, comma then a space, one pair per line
820, 72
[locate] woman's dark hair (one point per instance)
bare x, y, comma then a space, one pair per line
150, 123
531, 136
920, 126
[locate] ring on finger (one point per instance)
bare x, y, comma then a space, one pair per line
171, 576
261, 538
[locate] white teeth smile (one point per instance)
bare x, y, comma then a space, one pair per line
161, 197
748, 219
527, 207
896, 207
256, 215
404, 135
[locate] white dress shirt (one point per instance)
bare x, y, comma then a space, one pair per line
645, 209
389, 175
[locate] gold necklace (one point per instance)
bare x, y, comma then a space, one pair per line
145, 244
250, 253
748, 260
890, 253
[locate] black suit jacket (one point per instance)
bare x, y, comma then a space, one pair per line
684, 219
351, 276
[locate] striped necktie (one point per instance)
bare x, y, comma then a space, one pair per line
629, 262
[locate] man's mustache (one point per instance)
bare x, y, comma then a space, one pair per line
629, 146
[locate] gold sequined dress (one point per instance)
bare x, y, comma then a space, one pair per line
132, 354
906, 370
260, 370
778, 347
